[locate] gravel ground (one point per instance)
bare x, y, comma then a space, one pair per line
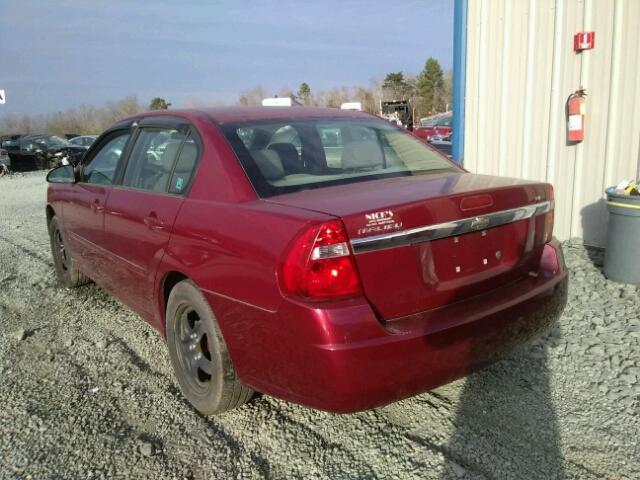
86, 391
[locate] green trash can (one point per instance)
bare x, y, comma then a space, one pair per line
622, 255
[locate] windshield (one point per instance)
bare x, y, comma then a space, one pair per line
428, 122
291, 155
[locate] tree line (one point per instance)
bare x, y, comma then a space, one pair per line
82, 120
429, 92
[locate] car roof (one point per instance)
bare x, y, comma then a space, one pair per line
224, 115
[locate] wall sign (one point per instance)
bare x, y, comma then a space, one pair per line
584, 41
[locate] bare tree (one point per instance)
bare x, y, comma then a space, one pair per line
253, 96
82, 120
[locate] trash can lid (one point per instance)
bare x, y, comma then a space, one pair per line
625, 200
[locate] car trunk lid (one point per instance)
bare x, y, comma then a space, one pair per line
422, 242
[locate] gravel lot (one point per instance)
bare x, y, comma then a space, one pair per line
86, 391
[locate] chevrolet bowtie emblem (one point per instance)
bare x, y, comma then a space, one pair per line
480, 223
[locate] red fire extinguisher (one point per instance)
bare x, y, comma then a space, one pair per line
575, 116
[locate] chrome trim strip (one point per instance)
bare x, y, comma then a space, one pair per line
449, 229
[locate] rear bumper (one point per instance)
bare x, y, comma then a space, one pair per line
340, 358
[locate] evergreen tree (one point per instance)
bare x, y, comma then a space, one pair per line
304, 93
430, 88
159, 103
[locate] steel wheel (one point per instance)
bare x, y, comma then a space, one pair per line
66, 271
199, 354
61, 250
192, 343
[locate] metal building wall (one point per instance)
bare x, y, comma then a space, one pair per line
520, 70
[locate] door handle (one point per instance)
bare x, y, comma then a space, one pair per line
97, 207
153, 222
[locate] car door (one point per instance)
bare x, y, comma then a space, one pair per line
140, 212
83, 213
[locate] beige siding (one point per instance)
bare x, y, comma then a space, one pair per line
520, 70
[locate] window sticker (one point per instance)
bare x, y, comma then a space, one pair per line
179, 183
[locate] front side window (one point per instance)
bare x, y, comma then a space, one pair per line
282, 157
101, 168
28, 145
152, 159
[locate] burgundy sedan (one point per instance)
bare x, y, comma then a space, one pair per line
322, 256
435, 127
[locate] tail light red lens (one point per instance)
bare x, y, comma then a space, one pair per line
320, 265
3, 152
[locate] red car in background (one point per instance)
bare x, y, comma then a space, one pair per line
322, 256
439, 126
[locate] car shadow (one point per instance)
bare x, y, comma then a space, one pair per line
505, 423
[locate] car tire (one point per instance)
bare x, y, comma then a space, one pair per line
68, 275
199, 354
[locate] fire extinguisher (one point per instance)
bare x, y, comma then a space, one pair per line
575, 116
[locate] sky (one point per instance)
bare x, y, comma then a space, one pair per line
59, 55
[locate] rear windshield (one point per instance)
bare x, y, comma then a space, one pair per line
445, 121
291, 155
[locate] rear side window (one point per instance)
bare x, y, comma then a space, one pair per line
152, 159
101, 168
185, 167
286, 156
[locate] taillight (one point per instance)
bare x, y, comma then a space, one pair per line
3, 152
320, 265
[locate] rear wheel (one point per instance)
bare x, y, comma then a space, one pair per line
199, 354
68, 275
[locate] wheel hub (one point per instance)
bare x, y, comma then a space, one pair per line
193, 347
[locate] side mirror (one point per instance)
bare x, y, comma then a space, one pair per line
62, 174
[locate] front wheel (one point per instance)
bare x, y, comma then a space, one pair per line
199, 355
68, 275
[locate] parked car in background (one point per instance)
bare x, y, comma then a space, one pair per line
42, 151
437, 125
442, 143
322, 256
83, 140
10, 142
